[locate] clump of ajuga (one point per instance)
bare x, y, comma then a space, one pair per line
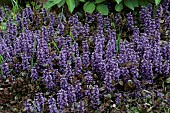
78, 62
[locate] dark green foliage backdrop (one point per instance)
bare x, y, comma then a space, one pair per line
102, 6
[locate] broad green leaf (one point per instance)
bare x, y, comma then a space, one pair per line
76, 2
157, 2
61, 3
151, 1
118, 1
129, 4
135, 3
99, 1
82, 0
89, 7
102, 9
119, 7
143, 3
3, 26
71, 5
57, 1
168, 80
48, 4
51, 3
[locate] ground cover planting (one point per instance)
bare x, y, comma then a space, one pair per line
59, 63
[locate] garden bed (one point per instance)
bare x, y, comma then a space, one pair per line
85, 63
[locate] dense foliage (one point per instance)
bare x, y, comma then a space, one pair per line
102, 6
92, 65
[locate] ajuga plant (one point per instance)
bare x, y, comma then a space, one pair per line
75, 65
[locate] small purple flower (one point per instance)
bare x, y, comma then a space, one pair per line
48, 79
130, 22
52, 19
60, 28
64, 83
95, 100
108, 81
81, 107
34, 73
62, 99
88, 77
71, 94
52, 105
85, 46
68, 71
39, 102
5, 69
118, 98
78, 66
28, 107
86, 59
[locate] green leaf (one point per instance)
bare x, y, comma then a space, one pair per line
129, 4
61, 3
168, 80
119, 7
71, 5
1, 59
82, 0
146, 91
76, 2
48, 5
135, 3
157, 2
102, 9
99, 1
55, 45
57, 1
97, 111
118, 43
51, 3
143, 3
89, 7
130, 83
118, 1
108, 96
120, 82
15, 6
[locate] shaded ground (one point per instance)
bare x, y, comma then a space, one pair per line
155, 99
